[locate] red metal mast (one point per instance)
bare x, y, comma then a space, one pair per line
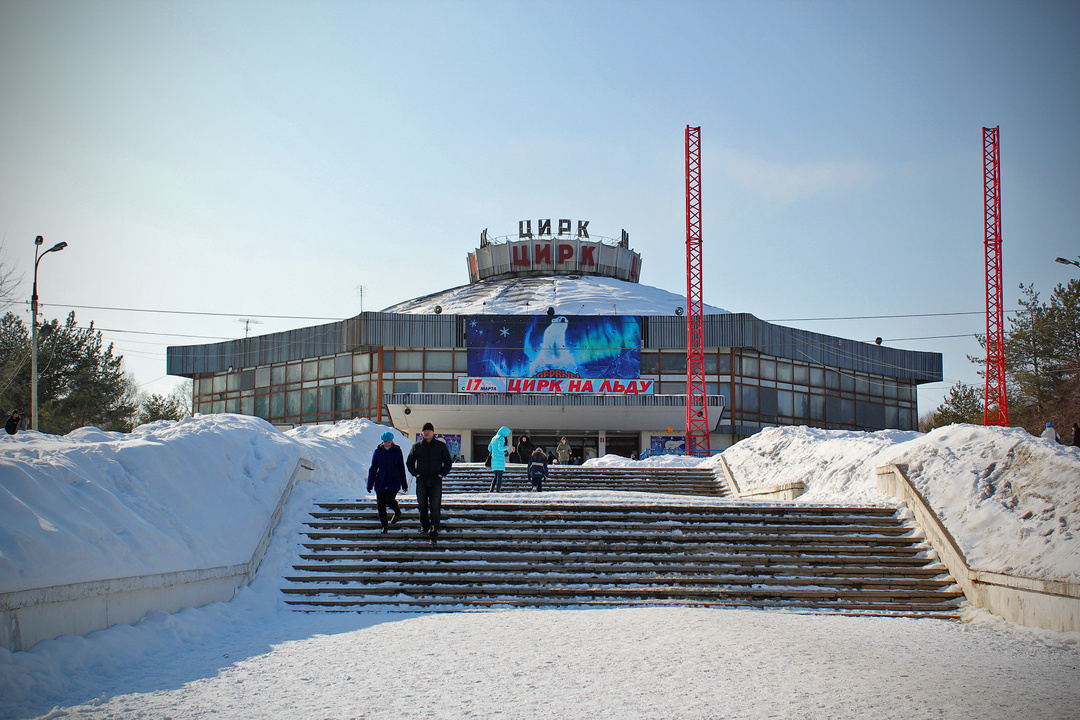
997, 406
697, 409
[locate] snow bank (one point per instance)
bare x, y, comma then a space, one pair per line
170, 496
1011, 500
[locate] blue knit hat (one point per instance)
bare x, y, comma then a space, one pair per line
388, 436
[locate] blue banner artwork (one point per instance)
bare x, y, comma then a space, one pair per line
554, 346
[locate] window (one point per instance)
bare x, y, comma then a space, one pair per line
310, 370
768, 401
233, 381
439, 386
277, 375
749, 399
361, 363
710, 363
802, 405
785, 403
343, 397
219, 383
832, 379
768, 369
343, 366
724, 365
406, 386
262, 377
310, 399
817, 377
292, 403
360, 395
801, 375
409, 361
783, 372
650, 363
817, 407
293, 373
673, 363
277, 406
749, 367
247, 381
262, 406
326, 399
439, 361
461, 362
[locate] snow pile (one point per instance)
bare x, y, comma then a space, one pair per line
586, 295
836, 466
658, 461
1011, 501
170, 496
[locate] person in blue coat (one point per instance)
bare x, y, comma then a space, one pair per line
387, 476
498, 448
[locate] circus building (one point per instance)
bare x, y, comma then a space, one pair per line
554, 336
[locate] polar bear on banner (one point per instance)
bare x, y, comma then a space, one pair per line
553, 354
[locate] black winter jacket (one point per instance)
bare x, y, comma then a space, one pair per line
429, 459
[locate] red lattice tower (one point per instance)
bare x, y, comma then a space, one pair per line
697, 409
997, 406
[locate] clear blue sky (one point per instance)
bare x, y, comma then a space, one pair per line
267, 158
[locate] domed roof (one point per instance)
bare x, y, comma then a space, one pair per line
567, 294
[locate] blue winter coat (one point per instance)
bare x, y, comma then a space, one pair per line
498, 448
387, 471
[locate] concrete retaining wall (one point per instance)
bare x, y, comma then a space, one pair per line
787, 491
29, 616
1028, 601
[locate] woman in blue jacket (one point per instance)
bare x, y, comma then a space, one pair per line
386, 476
498, 449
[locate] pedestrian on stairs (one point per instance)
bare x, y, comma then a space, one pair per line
386, 476
429, 462
563, 451
538, 468
499, 449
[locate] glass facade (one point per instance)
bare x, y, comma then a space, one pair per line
759, 389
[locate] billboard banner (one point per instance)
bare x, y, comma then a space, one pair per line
554, 346
555, 386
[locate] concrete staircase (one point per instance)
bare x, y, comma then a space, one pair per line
474, 477
508, 552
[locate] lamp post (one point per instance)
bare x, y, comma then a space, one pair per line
1066, 261
33, 328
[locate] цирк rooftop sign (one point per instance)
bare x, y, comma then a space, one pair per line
543, 250
543, 227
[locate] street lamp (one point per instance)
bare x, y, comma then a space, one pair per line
33, 328
1065, 261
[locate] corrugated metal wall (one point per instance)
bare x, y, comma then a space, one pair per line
443, 331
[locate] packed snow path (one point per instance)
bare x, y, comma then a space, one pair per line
642, 663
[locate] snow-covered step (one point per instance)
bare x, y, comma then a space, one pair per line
563, 553
468, 478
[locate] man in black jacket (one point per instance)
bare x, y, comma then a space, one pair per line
429, 462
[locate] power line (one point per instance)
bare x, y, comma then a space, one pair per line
188, 312
884, 317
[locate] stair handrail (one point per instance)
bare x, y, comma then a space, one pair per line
1049, 604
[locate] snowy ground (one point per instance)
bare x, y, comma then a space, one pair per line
112, 505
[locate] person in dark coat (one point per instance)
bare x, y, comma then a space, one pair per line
386, 477
538, 468
429, 462
12, 424
525, 449
1076, 435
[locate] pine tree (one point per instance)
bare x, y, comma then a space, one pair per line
963, 405
80, 381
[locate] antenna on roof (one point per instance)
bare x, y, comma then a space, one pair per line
248, 322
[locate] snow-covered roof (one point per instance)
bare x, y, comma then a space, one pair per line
567, 294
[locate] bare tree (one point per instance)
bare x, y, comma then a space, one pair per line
9, 280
